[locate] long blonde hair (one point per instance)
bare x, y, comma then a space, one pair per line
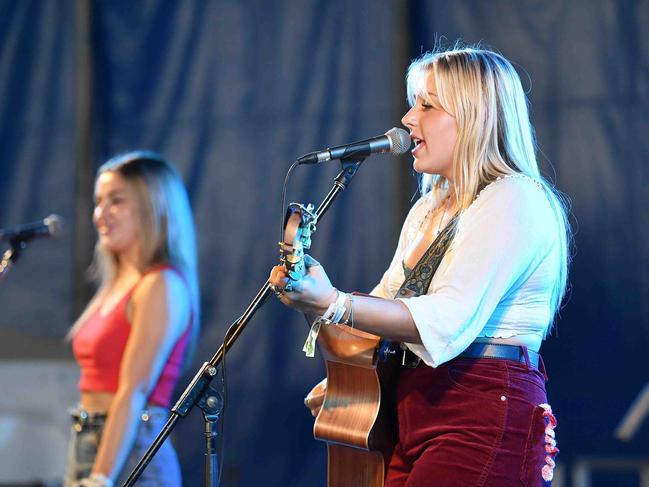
483, 92
166, 232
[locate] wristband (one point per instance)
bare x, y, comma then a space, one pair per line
96, 480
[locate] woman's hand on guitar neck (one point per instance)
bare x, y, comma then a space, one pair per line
311, 294
315, 398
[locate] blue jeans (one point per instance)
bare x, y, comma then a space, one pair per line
163, 471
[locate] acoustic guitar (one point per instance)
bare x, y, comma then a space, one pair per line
358, 416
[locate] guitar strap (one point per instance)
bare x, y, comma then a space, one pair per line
418, 280
416, 283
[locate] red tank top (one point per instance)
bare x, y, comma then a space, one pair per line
100, 343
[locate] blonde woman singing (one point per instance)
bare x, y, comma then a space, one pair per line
476, 279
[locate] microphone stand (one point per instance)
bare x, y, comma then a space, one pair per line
10, 256
199, 392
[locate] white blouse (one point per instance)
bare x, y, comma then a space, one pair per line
497, 277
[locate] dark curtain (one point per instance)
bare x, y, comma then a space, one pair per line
233, 91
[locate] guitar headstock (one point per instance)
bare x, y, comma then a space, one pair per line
299, 223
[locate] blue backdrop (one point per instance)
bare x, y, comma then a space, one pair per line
232, 92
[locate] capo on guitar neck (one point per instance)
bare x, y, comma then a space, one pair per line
300, 223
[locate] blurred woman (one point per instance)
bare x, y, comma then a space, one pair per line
138, 331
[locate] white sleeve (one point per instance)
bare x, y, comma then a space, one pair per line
499, 238
412, 220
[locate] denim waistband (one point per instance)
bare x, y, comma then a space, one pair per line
82, 418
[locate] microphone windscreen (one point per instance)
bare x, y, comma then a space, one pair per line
54, 225
399, 141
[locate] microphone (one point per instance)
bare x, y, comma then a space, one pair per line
49, 227
396, 141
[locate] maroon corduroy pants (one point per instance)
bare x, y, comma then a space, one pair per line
470, 423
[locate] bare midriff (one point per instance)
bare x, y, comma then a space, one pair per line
96, 402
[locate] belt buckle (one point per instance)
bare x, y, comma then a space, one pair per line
80, 419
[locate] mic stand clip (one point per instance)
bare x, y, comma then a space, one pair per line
10, 256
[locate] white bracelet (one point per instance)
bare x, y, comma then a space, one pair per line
97, 480
328, 315
350, 318
332, 316
336, 310
340, 307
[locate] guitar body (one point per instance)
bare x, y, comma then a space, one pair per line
358, 415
